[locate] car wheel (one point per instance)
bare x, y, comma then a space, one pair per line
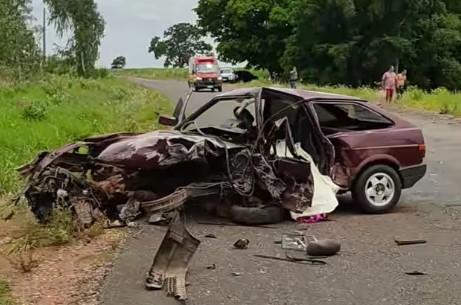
377, 190
220, 89
195, 89
256, 215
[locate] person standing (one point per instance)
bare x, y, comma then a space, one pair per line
389, 82
293, 78
401, 80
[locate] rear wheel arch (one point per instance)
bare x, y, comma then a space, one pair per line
387, 160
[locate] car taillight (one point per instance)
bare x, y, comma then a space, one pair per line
422, 150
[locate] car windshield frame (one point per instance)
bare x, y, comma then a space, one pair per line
197, 113
207, 68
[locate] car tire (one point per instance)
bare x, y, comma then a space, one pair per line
378, 189
256, 215
220, 89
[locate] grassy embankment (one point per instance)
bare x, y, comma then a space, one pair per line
5, 294
439, 101
44, 115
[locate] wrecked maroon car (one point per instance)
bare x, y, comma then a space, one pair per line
252, 155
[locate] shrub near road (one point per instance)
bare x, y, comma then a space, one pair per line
45, 115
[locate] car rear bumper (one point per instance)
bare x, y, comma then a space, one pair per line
411, 175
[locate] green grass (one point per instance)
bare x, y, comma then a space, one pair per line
5, 294
45, 115
154, 73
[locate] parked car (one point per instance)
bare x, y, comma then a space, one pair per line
245, 76
228, 75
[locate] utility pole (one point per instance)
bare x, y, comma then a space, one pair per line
44, 33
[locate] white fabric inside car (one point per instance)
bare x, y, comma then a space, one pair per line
324, 198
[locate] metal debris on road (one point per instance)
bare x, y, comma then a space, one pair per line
294, 242
172, 259
210, 236
415, 273
410, 242
325, 247
288, 258
241, 244
236, 274
211, 267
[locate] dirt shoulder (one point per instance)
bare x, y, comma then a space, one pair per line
66, 275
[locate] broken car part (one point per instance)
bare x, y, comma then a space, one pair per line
288, 258
326, 247
294, 242
172, 259
415, 273
241, 244
410, 242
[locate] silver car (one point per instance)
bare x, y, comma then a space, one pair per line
228, 75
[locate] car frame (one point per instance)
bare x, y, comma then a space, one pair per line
372, 163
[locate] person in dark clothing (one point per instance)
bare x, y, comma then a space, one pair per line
293, 78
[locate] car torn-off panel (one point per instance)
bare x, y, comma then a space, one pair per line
171, 260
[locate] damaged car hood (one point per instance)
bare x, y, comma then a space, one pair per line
162, 148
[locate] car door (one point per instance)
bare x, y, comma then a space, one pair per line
179, 111
315, 142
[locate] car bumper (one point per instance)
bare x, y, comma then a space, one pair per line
411, 175
209, 83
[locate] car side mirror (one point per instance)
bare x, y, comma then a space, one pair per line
168, 120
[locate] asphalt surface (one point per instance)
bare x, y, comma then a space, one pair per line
370, 269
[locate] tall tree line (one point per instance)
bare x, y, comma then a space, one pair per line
19, 51
341, 41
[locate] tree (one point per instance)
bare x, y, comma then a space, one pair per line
82, 18
180, 42
119, 62
247, 30
19, 52
353, 42
348, 42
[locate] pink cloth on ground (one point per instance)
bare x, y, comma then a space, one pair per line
313, 219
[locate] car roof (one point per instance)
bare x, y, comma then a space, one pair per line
299, 93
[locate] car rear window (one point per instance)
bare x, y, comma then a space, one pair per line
349, 116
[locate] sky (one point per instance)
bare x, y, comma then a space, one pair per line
130, 26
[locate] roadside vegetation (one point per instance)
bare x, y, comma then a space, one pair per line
43, 115
154, 73
5, 294
438, 100
46, 102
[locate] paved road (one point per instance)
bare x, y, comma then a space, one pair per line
370, 269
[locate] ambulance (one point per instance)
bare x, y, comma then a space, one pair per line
204, 73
